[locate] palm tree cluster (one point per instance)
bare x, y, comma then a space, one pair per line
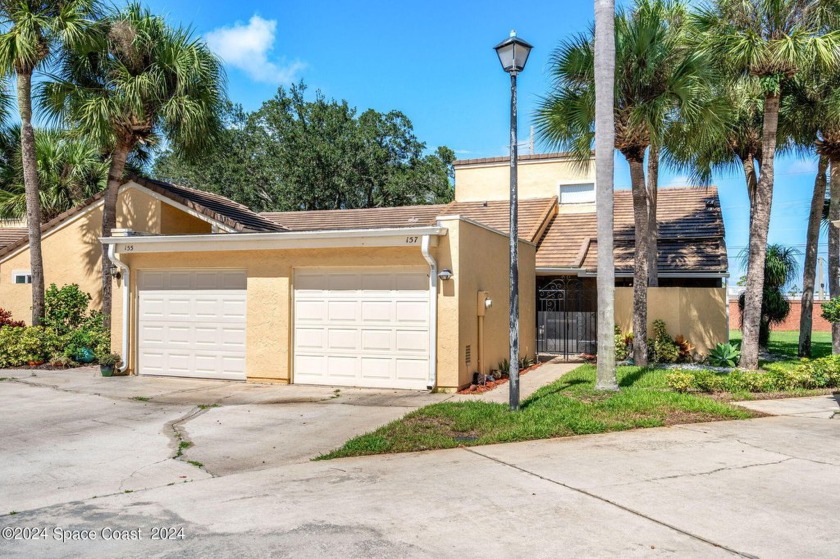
114, 83
721, 86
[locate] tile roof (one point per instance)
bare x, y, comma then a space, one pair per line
532, 214
10, 235
368, 218
691, 234
506, 158
226, 211
236, 216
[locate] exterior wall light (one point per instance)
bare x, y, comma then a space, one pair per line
445, 274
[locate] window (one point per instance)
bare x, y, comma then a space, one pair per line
577, 193
21, 276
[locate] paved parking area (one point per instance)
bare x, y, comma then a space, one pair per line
72, 461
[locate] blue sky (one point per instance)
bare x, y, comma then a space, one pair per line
434, 61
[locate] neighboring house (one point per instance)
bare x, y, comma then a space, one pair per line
384, 297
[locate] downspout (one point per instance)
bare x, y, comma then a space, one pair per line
126, 278
433, 281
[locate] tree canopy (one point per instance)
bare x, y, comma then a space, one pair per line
296, 153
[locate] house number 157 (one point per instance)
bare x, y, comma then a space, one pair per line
411, 240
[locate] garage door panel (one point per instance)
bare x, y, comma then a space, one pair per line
412, 341
192, 323
377, 368
359, 327
416, 312
342, 311
377, 311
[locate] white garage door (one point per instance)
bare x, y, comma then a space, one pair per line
191, 323
362, 327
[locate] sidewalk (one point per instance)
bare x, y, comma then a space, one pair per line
822, 407
528, 384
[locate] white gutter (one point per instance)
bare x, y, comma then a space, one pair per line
126, 278
433, 280
397, 236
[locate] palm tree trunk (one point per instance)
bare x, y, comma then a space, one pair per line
640, 260
109, 221
653, 226
811, 249
834, 246
759, 228
604, 163
32, 189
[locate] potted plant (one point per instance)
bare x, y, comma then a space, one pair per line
107, 364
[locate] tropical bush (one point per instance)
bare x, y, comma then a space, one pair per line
819, 373
831, 310
622, 347
69, 327
7, 320
662, 347
724, 355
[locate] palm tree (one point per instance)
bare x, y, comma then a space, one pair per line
70, 170
148, 80
780, 268
32, 32
658, 79
770, 41
604, 173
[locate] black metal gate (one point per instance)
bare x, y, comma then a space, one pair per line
566, 317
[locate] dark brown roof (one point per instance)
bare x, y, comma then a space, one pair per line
10, 235
226, 211
506, 158
496, 214
532, 214
368, 218
691, 234
223, 210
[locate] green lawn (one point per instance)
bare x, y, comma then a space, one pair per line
787, 343
569, 406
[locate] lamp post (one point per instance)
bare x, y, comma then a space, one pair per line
513, 54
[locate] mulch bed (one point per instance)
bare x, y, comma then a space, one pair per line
491, 384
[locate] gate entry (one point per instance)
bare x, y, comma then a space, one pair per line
566, 317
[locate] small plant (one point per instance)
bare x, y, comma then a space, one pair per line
725, 355
662, 346
6, 319
680, 381
686, 349
622, 347
61, 361
526, 362
110, 360
504, 367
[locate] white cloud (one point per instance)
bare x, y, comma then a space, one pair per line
678, 180
247, 47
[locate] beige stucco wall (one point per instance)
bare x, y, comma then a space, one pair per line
697, 313
482, 265
536, 179
72, 251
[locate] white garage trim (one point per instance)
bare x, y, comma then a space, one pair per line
192, 323
364, 327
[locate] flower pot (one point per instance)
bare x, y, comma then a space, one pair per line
85, 355
106, 371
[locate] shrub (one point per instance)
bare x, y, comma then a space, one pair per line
6, 319
707, 381
681, 381
66, 309
662, 346
685, 348
831, 310
622, 348
20, 346
90, 337
725, 355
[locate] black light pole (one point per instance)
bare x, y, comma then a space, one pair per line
513, 54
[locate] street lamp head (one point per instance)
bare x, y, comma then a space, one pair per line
513, 53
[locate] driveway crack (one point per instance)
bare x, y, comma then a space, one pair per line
181, 441
617, 505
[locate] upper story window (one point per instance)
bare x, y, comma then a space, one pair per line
21, 276
577, 193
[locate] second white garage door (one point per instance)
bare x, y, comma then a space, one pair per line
362, 327
191, 323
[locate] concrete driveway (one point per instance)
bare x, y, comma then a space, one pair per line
760, 488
